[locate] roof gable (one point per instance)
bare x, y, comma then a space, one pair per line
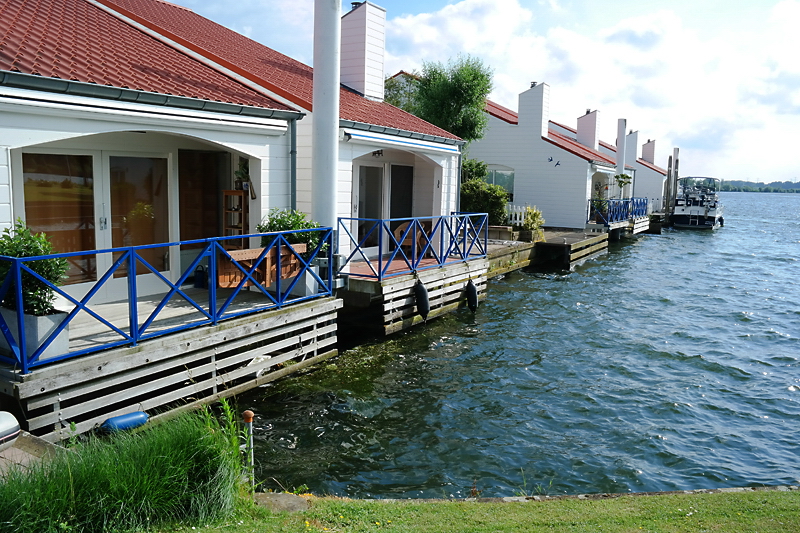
503, 113
268, 68
75, 40
574, 147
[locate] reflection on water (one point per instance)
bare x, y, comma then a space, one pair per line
670, 363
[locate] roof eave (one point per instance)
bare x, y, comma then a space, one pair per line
400, 133
106, 92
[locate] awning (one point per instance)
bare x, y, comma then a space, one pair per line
403, 143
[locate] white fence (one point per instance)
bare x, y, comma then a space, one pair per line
516, 214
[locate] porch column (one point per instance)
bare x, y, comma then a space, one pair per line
325, 119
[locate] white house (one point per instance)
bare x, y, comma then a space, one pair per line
391, 164
555, 167
109, 137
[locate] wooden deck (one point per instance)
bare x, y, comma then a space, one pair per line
85, 331
388, 306
182, 368
363, 269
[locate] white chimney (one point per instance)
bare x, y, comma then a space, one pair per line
649, 151
534, 109
587, 129
621, 127
632, 148
325, 118
363, 47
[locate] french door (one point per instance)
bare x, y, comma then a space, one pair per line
98, 200
384, 191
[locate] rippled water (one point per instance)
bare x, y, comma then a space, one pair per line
670, 363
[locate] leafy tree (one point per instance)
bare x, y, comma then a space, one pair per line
472, 169
400, 90
451, 96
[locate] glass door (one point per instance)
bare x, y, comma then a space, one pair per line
139, 215
371, 204
93, 201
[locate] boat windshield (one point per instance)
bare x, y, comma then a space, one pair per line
699, 185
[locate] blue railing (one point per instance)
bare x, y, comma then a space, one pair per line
260, 271
405, 245
614, 210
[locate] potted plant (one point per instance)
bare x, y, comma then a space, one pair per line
532, 224
289, 219
40, 317
600, 207
303, 243
622, 180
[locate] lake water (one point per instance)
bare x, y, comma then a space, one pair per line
670, 363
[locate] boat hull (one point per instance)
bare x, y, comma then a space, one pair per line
696, 222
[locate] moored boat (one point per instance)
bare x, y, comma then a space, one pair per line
697, 205
9, 429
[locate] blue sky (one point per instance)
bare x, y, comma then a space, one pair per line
719, 79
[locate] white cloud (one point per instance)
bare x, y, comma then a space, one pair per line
672, 77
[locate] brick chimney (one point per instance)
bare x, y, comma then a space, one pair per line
363, 47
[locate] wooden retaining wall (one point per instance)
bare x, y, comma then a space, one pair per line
389, 306
568, 250
191, 367
509, 257
640, 225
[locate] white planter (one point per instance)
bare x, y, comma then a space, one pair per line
306, 286
37, 329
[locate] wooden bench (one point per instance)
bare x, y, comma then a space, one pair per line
229, 276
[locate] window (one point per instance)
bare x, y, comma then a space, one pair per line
503, 178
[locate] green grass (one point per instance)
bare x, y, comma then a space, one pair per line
185, 470
760, 511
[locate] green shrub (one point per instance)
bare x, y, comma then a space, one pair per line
473, 169
187, 469
477, 196
37, 297
289, 219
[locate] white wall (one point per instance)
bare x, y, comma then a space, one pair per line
560, 191
64, 122
6, 217
363, 45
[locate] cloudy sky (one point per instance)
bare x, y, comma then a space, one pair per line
718, 78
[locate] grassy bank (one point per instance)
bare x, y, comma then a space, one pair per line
760, 511
186, 470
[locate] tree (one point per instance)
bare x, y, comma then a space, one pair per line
451, 96
400, 90
473, 169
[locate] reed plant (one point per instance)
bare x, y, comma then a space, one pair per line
186, 470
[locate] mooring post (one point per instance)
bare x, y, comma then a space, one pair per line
249, 459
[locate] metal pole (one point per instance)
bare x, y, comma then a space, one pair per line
249, 459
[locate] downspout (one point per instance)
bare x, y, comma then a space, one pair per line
458, 181
293, 164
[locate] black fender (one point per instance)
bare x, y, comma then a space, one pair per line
472, 296
421, 297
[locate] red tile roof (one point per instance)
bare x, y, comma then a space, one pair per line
639, 160
574, 147
503, 113
274, 71
75, 40
562, 141
651, 166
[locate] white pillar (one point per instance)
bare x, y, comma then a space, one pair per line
325, 121
621, 127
